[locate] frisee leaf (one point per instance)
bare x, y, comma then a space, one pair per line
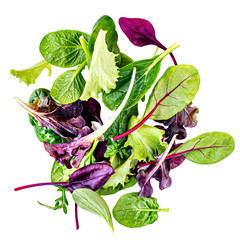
93, 202
30, 75
103, 72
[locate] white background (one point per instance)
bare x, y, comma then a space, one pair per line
203, 200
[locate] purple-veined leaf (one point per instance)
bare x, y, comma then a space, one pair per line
141, 32
207, 148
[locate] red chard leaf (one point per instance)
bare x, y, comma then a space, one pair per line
141, 32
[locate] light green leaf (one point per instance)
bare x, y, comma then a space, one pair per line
145, 141
121, 174
173, 92
30, 75
208, 148
68, 87
93, 202
103, 72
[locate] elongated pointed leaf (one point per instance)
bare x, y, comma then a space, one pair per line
147, 71
207, 148
30, 75
173, 92
103, 72
93, 202
68, 87
63, 48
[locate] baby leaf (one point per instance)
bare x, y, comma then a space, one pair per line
146, 74
136, 211
107, 24
141, 33
63, 48
173, 92
207, 148
103, 72
30, 75
145, 141
68, 87
93, 202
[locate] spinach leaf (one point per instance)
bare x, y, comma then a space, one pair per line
125, 60
146, 74
105, 23
207, 148
173, 92
119, 126
136, 211
30, 75
68, 87
93, 202
145, 141
63, 48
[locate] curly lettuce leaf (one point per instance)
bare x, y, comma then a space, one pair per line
30, 75
145, 141
103, 72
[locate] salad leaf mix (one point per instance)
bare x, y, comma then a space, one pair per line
93, 158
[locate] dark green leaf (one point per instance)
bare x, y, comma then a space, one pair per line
92, 202
207, 148
105, 23
146, 74
136, 211
125, 60
63, 48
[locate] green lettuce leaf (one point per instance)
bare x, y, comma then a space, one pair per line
103, 72
30, 75
145, 141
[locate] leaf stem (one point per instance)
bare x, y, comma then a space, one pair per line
85, 49
76, 216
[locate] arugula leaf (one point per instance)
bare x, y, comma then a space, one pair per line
61, 202
136, 211
208, 148
146, 74
30, 75
103, 72
93, 202
145, 141
68, 87
119, 126
63, 48
173, 92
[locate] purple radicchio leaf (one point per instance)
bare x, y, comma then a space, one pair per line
177, 124
93, 177
64, 152
158, 170
141, 32
100, 151
175, 161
